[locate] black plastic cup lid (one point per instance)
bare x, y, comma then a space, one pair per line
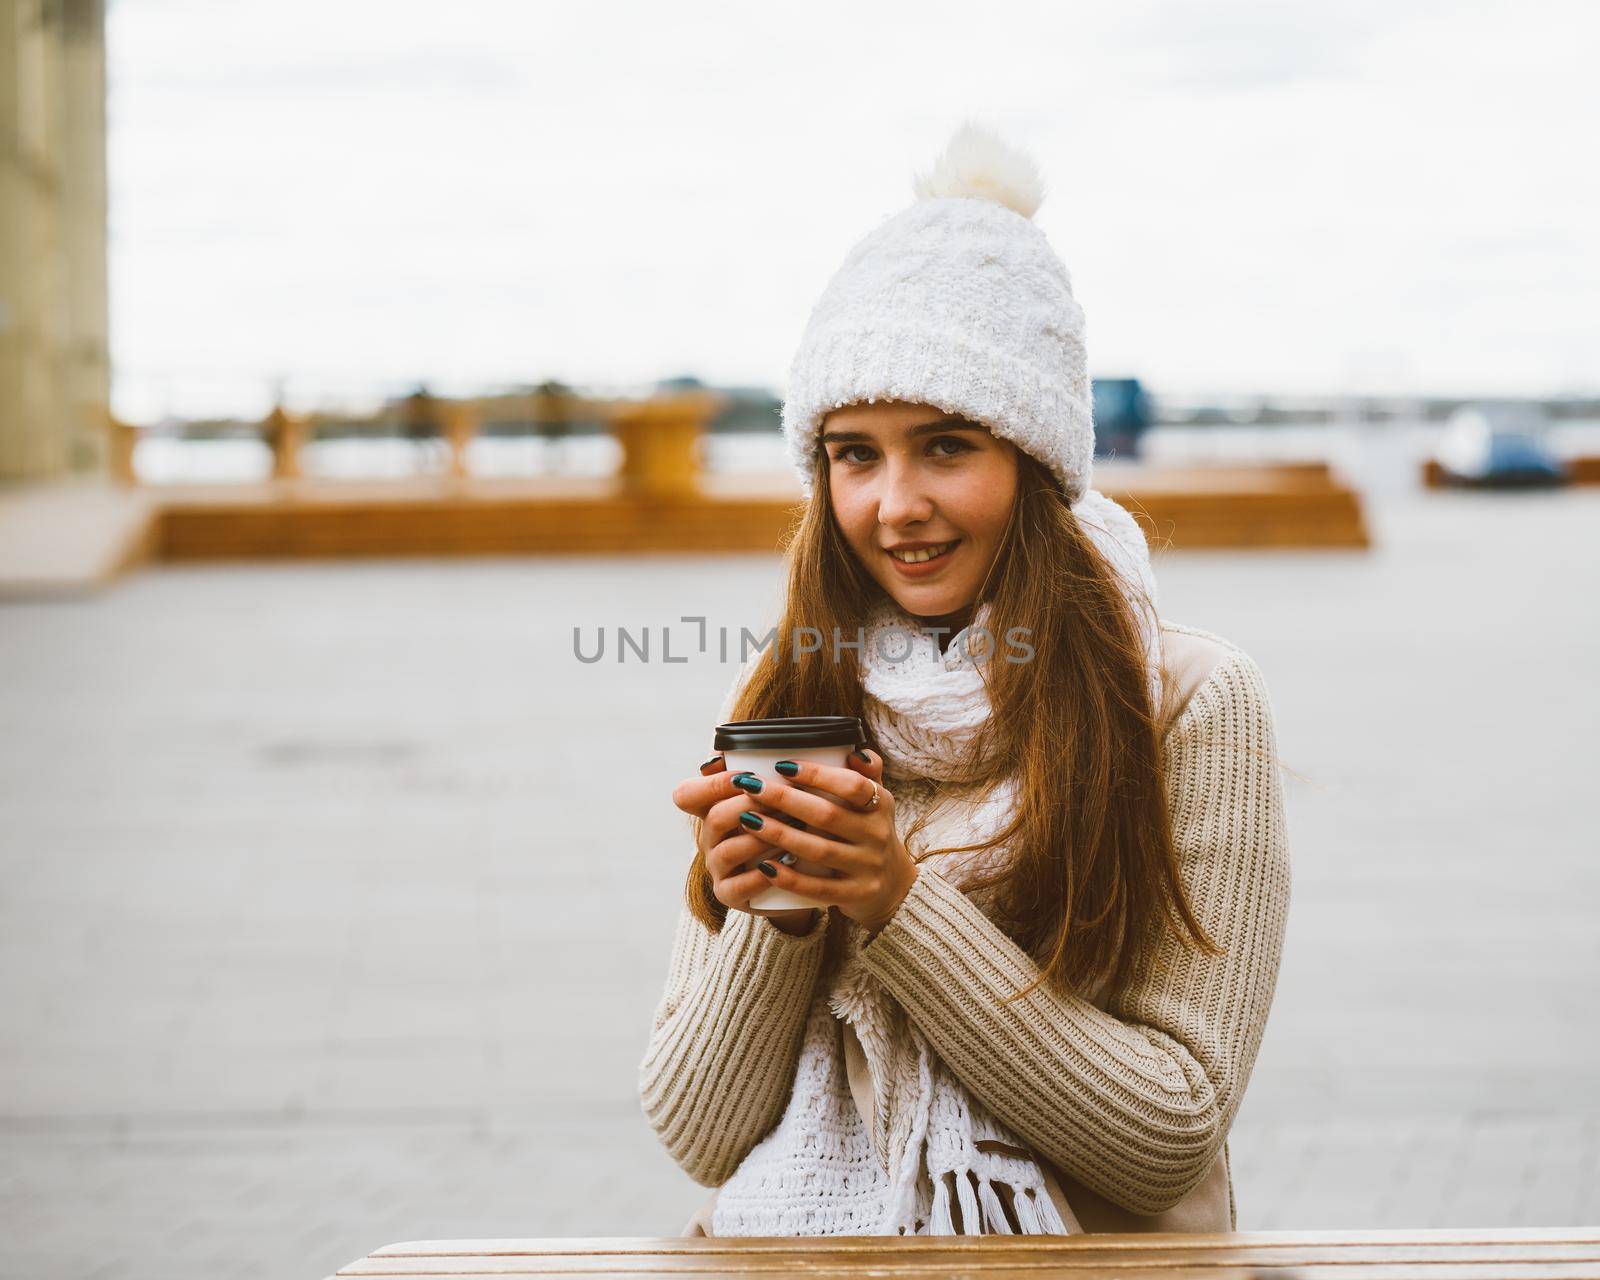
789, 733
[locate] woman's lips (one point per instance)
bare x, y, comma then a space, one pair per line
924, 568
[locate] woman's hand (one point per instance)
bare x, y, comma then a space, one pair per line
873, 871
728, 848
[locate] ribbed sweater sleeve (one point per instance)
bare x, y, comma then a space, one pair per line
725, 1038
1134, 1103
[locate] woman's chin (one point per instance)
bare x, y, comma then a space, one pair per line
926, 604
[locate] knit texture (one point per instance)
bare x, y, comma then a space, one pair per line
1131, 1092
959, 302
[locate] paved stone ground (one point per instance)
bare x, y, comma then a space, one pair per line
335, 899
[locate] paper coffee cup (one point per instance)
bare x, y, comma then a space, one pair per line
754, 746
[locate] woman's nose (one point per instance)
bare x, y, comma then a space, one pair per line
903, 499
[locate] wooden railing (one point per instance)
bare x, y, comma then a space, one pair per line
659, 435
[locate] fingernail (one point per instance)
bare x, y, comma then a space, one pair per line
751, 820
864, 756
768, 870
710, 762
788, 859
788, 768
747, 782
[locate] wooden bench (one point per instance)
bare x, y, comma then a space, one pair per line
1189, 507
1584, 469
1531, 1254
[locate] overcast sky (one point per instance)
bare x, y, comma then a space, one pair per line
1250, 197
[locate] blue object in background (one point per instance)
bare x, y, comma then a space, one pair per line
1522, 460
1490, 445
1122, 413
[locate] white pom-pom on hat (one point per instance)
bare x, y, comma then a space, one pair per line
981, 165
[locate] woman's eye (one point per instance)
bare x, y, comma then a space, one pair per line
960, 446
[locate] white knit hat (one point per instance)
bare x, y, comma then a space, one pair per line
958, 302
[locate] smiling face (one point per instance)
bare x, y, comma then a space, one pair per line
908, 476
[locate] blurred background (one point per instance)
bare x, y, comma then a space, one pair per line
363, 365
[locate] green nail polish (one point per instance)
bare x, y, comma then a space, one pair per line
788, 768
768, 870
751, 820
747, 782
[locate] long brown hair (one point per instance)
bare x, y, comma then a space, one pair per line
1092, 858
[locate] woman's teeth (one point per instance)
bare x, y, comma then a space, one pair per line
927, 553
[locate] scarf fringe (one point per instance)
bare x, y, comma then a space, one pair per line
994, 1213
904, 1199
968, 1198
940, 1223
981, 1205
1032, 1221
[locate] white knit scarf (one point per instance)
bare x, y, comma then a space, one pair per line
819, 1172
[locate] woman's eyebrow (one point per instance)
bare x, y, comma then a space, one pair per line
948, 423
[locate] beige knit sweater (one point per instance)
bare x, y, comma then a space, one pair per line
1130, 1094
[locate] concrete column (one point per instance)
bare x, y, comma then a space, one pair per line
83, 201
54, 371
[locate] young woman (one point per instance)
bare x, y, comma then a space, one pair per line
1060, 875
